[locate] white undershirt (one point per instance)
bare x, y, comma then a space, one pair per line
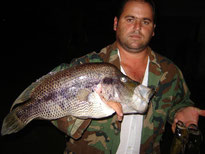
131, 128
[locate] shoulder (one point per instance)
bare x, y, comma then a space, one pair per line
91, 57
60, 67
102, 55
166, 64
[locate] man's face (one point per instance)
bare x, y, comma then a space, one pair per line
135, 27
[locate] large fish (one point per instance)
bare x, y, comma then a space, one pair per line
77, 91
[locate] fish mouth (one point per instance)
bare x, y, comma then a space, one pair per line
145, 92
139, 101
141, 98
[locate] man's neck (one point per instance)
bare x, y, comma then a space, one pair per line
130, 58
134, 64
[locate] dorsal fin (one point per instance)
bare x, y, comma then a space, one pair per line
26, 94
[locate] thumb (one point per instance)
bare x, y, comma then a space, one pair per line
118, 109
174, 125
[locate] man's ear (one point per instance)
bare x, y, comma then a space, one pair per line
115, 23
154, 30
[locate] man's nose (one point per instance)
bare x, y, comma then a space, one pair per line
137, 25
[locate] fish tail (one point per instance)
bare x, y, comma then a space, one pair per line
11, 124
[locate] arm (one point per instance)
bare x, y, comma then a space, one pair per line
183, 108
72, 126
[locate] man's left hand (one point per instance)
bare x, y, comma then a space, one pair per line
188, 115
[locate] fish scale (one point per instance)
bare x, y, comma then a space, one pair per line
76, 91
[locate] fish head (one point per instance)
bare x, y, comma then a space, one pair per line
133, 96
114, 88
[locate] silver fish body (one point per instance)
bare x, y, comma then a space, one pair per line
77, 91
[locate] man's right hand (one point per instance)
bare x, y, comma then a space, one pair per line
118, 109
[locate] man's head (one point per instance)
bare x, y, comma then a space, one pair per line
120, 7
135, 25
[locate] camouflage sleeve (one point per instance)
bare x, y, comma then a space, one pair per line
182, 97
70, 125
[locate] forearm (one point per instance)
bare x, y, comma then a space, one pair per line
181, 97
72, 126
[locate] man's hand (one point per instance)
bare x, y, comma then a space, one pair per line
118, 109
188, 115
114, 105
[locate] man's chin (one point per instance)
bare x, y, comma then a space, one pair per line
136, 48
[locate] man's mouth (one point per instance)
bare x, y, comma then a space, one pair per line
135, 36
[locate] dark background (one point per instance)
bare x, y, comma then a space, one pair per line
37, 36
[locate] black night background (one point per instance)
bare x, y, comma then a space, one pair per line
37, 36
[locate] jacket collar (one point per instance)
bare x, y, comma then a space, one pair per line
155, 72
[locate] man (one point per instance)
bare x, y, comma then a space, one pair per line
131, 54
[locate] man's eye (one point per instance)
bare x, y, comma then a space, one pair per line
129, 20
123, 79
146, 22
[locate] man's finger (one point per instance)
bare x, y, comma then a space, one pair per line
119, 118
118, 109
116, 106
174, 125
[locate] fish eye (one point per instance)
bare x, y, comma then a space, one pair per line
123, 79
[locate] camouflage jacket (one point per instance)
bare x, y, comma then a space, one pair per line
103, 136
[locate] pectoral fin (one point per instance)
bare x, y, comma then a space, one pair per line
83, 94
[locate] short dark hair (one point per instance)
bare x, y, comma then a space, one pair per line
121, 4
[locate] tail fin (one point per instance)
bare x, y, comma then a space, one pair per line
11, 124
